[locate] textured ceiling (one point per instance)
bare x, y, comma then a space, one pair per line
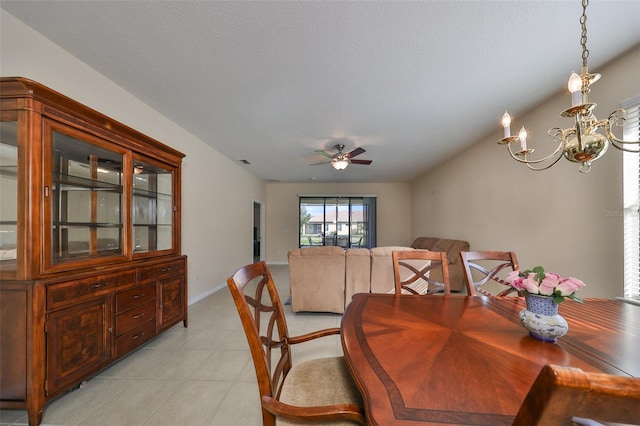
413, 83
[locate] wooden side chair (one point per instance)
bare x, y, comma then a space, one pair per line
563, 396
486, 267
319, 390
411, 272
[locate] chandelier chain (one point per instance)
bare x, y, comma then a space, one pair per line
583, 37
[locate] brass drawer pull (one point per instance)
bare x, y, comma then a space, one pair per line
138, 316
137, 336
138, 296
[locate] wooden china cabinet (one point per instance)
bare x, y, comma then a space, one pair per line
90, 262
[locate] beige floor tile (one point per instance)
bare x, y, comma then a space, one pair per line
194, 403
211, 338
171, 339
9, 417
179, 364
223, 365
77, 405
134, 404
137, 364
241, 406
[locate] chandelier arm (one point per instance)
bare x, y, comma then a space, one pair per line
558, 135
538, 169
617, 118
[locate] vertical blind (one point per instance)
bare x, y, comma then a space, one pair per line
631, 201
338, 220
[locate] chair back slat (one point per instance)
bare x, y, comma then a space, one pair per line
412, 272
486, 267
260, 308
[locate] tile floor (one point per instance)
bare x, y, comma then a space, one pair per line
201, 375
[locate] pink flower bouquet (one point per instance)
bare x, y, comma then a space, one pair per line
536, 281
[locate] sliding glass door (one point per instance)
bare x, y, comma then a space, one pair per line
338, 221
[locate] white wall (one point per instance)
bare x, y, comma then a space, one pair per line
566, 221
393, 210
217, 193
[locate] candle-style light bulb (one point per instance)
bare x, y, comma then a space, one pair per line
506, 124
522, 135
575, 87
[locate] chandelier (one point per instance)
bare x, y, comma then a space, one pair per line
588, 139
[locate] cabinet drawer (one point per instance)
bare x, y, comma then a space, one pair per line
78, 290
161, 271
134, 338
135, 297
135, 317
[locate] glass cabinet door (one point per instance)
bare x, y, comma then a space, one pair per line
86, 200
153, 207
9, 193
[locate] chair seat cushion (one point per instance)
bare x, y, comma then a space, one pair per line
323, 381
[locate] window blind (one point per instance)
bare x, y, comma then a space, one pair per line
631, 201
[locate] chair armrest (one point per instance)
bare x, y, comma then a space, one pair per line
313, 335
325, 413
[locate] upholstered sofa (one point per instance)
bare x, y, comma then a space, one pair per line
453, 249
325, 278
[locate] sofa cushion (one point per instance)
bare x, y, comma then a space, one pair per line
358, 273
317, 277
382, 280
320, 251
453, 249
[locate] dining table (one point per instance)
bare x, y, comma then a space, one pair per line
467, 360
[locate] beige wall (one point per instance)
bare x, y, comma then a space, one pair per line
566, 221
393, 212
218, 193
562, 219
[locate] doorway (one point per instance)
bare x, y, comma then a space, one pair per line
257, 231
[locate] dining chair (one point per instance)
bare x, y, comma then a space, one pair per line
411, 272
319, 390
488, 267
566, 396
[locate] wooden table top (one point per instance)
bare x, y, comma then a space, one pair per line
468, 360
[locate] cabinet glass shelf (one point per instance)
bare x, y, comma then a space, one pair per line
70, 183
87, 197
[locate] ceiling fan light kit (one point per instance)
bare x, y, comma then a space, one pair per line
581, 143
341, 160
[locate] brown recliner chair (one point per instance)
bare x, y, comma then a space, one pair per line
453, 249
317, 277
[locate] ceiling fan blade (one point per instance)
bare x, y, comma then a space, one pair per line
322, 162
326, 154
366, 162
356, 151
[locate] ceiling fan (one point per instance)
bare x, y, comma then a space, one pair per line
341, 160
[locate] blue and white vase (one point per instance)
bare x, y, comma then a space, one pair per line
541, 318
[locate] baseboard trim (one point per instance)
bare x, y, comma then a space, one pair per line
221, 286
206, 294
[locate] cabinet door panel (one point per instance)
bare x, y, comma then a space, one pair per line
78, 342
84, 199
171, 302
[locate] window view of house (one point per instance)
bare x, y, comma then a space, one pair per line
338, 221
